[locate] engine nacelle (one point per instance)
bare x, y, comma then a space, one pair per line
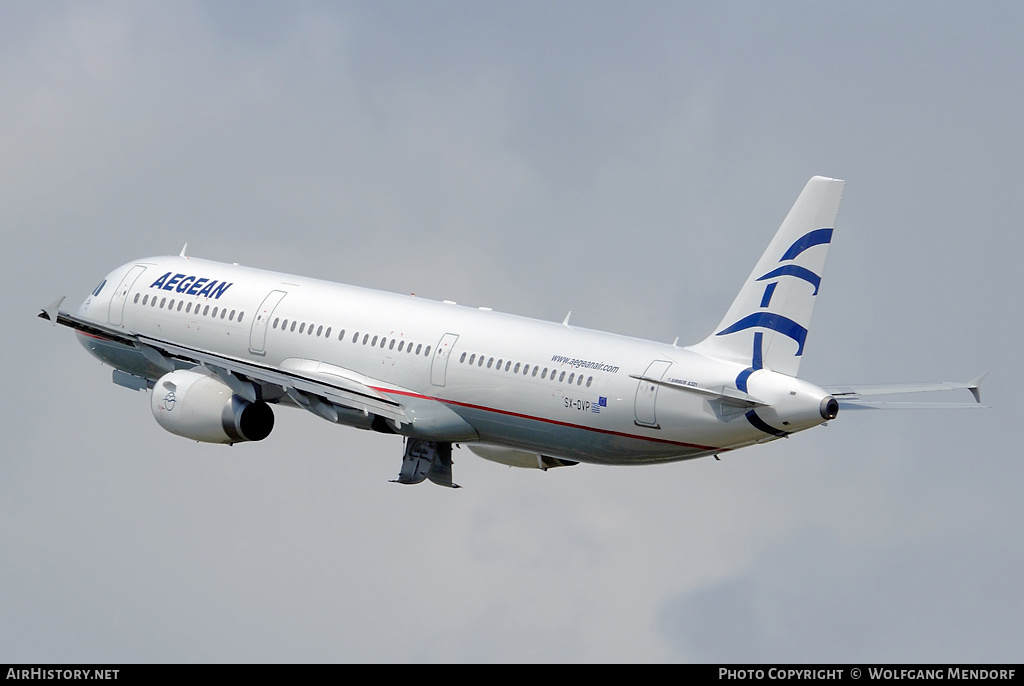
198, 405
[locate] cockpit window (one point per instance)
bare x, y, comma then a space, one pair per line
100, 287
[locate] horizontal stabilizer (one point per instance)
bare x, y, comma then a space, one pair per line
853, 396
729, 396
871, 405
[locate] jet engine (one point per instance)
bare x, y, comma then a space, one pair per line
196, 404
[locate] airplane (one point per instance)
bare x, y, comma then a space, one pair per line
219, 345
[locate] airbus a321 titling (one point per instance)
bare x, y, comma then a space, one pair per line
219, 345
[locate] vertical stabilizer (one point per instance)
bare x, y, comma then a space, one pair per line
767, 324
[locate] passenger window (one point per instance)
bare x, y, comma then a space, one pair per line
180, 303
310, 330
355, 337
391, 345
214, 312
507, 365
145, 300
188, 308
276, 320
426, 352
223, 312
571, 377
327, 334
170, 305
302, 327
480, 363
136, 299
206, 310
401, 345
472, 358
383, 340
284, 325
463, 358
498, 366
320, 330
419, 346
516, 370
579, 379
490, 361
366, 337
240, 315
589, 379
535, 368
561, 377
544, 374
373, 343
294, 323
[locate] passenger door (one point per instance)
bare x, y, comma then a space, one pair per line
258, 333
647, 394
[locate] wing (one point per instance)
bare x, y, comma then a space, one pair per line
316, 386
853, 397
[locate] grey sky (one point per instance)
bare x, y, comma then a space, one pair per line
628, 162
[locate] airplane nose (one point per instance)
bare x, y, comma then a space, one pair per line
829, 408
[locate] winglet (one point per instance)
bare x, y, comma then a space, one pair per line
52, 310
975, 387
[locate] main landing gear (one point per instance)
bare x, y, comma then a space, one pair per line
426, 460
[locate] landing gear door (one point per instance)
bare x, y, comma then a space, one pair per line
258, 333
439, 366
115, 315
647, 394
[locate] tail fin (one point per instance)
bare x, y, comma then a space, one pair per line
766, 327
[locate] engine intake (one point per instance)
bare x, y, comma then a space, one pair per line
196, 404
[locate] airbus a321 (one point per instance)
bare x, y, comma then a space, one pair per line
220, 345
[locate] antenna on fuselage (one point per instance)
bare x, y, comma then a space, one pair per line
565, 321
182, 254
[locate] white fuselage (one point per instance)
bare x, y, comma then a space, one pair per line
521, 383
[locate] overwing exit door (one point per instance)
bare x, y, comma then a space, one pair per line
439, 365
